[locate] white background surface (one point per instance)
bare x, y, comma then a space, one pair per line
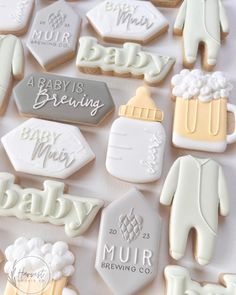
94, 181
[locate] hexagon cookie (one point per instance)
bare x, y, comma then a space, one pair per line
54, 34
127, 20
63, 99
47, 148
128, 244
15, 16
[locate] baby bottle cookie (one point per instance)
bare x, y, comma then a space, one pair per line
201, 111
179, 282
196, 190
54, 34
137, 141
36, 267
210, 19
128, 244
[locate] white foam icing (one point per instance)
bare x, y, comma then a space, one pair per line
189, 84
57, 256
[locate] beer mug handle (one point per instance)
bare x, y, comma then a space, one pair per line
232, 137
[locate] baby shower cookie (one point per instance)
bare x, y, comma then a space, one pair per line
49, 205
15, 16
137, 140
166, 3
61, 98
198, 186
12, 65
127, 20
210, 19
179, 282
128, 61
54, 34
37, 267
201, 111
47, 148
128, 244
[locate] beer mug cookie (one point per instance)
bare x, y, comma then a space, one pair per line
137, 141
36, 267
201, 22
201, 111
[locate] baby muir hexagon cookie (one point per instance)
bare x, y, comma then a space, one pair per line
15, 16
126, 20
54, 34
128, 244
63, 98
47, 148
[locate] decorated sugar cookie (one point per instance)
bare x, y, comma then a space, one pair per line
65, 99
201, 111
210, 19
137, 141
12, 65
126, 20
128, 244
196, 190
50, 205
47, 148
128, 61
54, 34
37, 267
15, 16
179, 282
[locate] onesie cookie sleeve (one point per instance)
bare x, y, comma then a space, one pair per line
170, 184
180, 20
224, 22
223, 194
18, 60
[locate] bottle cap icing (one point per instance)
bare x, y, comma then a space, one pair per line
191, 84
141, 107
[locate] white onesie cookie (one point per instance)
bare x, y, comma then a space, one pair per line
196, 189
202, 21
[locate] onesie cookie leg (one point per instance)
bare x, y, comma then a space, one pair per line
190, 51
204, 246
212, 49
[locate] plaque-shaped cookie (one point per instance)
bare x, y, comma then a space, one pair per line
54, 34
128, 244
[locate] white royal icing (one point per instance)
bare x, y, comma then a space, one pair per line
209, 17
48, 205
130, 59
127, 20
14, 15
179, 282
47, 148
195, 83
198, 185
57, 256
136, 150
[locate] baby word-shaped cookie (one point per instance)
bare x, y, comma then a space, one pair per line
179, 282
201, 111
54, 34
15, 16
126, 20
11, 64
49, 205
128, 61
137, 140
197, 191
38, 267
202, 22
128, 244
65, 99
47, 148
